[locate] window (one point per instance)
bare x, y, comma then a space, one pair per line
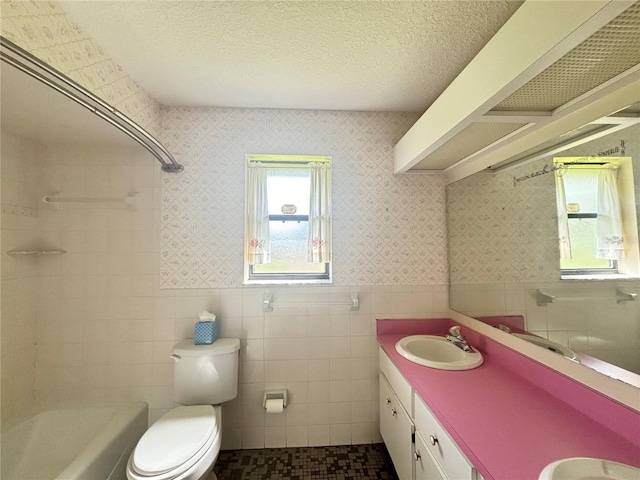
596, 213
288, 219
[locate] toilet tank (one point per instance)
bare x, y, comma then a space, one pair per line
205, 374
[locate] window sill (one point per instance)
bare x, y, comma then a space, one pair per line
289, 282
601, 277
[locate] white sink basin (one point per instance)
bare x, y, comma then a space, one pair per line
437, 352
549, 345
588, 469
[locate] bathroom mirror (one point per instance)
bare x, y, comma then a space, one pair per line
504, 255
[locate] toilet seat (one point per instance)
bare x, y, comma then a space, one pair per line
194, 469
182, 442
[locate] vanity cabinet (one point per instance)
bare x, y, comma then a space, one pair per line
419, 446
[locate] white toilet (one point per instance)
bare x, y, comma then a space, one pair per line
184, 443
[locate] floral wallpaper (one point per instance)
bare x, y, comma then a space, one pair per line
388, 230
498, 230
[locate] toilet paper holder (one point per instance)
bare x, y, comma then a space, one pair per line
275, 395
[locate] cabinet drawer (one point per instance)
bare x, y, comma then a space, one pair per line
397, 382
396, 429
426, 466
442, 447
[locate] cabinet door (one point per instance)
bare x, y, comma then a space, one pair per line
426, 468
396, 429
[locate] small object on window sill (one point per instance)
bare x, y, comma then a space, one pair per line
289, 209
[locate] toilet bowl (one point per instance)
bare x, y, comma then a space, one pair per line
182, 445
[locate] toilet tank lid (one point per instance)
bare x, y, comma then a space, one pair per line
221, 346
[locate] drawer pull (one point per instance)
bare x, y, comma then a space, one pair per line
393, 412
388, 401
416, 456
433, 440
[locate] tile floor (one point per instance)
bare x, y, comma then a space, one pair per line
349, 462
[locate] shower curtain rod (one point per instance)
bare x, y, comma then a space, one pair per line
36, 68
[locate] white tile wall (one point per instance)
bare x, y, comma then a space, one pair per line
19, 275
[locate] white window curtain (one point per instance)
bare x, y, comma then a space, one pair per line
610, 244
319, 236
563, 217
257, 228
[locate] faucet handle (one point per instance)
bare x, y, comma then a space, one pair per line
455, 331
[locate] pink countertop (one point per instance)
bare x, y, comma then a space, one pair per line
512, 416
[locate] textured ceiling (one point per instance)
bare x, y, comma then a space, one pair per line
337, 55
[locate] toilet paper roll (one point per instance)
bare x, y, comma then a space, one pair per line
275, 405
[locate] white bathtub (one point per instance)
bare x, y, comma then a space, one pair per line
87, 443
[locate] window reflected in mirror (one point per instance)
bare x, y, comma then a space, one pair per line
596, 215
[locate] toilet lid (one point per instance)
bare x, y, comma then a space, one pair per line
175, 438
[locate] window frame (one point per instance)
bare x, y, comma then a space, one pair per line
280, 162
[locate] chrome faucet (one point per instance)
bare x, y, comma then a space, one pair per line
502, 327
457, 339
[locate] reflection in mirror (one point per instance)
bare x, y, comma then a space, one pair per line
505, 252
